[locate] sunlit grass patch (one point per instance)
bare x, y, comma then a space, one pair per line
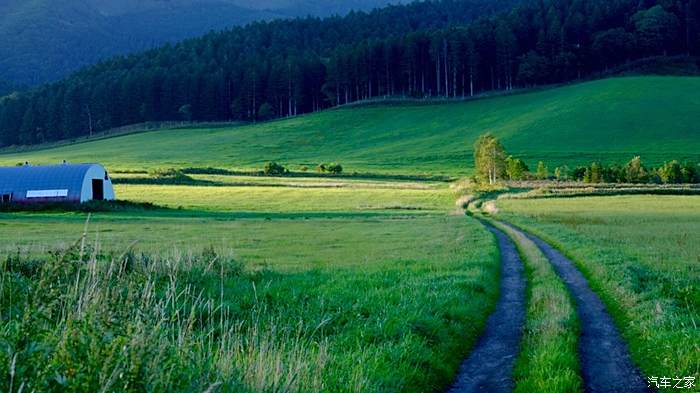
654, 117
289, 199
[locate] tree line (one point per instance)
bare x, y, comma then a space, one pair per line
493, 164
284, 68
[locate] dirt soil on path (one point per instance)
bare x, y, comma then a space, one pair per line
489, 367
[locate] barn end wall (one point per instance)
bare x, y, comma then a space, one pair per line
96, 172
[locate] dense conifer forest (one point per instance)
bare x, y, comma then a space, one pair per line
284, 68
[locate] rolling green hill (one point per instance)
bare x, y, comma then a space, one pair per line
607, 120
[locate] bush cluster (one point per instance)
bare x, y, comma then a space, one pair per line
333, 168
273, 168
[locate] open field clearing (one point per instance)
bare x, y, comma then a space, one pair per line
316, 182
368, 281
609, 120
642, 255
439, 196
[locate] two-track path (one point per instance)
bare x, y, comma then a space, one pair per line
489, 367
606, 365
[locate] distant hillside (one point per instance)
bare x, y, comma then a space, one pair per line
610, 120
45, 40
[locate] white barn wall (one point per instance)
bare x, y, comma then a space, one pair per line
96, 172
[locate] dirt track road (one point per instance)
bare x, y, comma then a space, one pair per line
489, 367
606, 365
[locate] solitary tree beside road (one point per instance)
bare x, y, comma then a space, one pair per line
489, 158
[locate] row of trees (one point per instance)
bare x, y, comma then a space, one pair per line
671, 172
493, 164
284, 68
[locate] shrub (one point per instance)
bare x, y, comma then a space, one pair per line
273, 168
542, 171
671, 172
329, 168
562, 173
516, 169
334, 168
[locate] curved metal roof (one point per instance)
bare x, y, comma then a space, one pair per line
21, 179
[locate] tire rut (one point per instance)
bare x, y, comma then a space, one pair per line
606, 365
489, 367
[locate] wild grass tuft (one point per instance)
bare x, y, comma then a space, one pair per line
79, 322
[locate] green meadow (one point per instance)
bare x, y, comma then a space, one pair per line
370, 304
608, 120
642, 255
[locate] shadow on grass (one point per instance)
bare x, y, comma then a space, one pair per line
128, 210
87, 207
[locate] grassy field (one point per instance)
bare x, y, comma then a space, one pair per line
607, 120
327, 305
289, 199
642, 255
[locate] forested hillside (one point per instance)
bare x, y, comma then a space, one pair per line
284, 68
6, 88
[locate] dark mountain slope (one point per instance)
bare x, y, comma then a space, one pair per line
45, 40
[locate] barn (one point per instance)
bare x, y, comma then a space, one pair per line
77, 183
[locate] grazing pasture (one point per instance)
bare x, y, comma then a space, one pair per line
642, 255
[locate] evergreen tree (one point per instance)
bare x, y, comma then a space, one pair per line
303, 65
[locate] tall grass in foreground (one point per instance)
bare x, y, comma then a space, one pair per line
83, 323
548, 360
